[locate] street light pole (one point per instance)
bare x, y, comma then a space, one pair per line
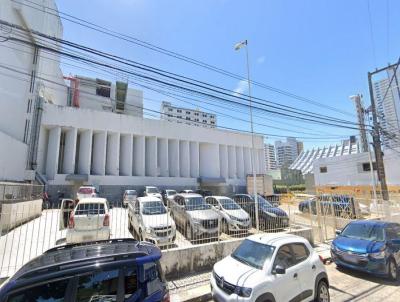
253, 168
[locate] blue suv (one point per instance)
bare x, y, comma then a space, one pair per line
370, 246
112, 270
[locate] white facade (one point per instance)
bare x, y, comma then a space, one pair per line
354, 170
388, 107
305, 161
286, 152
187, 116
132, 150
270, 159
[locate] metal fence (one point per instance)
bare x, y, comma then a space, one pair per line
178, 221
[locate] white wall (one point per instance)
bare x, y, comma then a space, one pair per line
12, 155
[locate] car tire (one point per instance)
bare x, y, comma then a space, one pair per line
392, 270
322, 292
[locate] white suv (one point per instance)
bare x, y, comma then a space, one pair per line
271, 267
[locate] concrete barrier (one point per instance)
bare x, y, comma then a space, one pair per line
14, 213
179, 262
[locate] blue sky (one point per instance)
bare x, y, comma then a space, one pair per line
317, 49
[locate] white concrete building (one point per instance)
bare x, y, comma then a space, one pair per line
286, 152
388, 107
187, 116
48, 133
270, 159
305, 161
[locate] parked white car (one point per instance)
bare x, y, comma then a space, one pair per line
271, 267
234, 218
86, 192
152, 192
129, 196
150, 221
89, 221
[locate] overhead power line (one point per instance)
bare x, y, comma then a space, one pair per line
130, 39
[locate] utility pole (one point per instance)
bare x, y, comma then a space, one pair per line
376, 141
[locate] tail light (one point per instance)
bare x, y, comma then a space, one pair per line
166, 298
106, 221
71, 222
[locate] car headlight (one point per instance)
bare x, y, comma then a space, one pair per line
272, 214
243, 291
378, 255
196, 221
333, 247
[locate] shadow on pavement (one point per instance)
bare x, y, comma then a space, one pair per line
368, 277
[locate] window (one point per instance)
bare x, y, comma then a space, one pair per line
204, 121
204, 115
49, 292
89, 209
188, 118
93, 286
179, 110
103, 88
367, 167
323, 169
211, 201
284, 257
212, 122
179, 116
253, 253
187, 112
300, 252
196, 114
170, 109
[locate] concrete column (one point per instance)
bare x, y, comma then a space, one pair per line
70, 151
256, 161
232, 161
112, 154
99, 153
194, 159
261, 158
209, 159
173, 157
239, 162
85, 151
151, 156
138, 167
247, 160
184, 158
162, 156
53, 148
125, 155
223, 161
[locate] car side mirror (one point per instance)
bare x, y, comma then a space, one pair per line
338, 232
279, 270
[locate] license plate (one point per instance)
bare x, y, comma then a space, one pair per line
349, 258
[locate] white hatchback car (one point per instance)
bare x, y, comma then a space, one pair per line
271, 267
89, 221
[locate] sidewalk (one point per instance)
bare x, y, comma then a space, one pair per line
197, 287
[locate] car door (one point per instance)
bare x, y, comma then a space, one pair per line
287, 286
393, 240
306, 269
66, 208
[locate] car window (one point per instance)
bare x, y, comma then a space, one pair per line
253, 253
153, 208
49, 292
211, 201
300, 252
229, 204
131, 281
364, 231
90, 209
284, 257
393, 232
94, 287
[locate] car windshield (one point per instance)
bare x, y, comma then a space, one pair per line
263, 202
171, 192
131, 193
89, 209
153, 208
253, 253
364, 231
152, 190
196, 203
229, 204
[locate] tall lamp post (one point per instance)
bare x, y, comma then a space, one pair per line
238, 46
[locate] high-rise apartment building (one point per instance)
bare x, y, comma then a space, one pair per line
388, 108
287, 152
187, 116
270, 158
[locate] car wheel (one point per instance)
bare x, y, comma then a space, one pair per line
323, 292
189, 232
392, 270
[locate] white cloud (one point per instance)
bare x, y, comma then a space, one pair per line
261, 60
241, 87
